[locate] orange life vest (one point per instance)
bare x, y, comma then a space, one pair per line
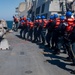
70, 22
24, 18
45, 23
31, 24
36, 20
57, 22
40, 21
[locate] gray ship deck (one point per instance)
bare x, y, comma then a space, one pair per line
26, 58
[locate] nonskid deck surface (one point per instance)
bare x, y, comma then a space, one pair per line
28, 58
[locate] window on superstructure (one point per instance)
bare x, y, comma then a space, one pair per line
38, 10
43, 7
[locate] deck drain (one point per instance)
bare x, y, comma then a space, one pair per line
28, 72
21, 53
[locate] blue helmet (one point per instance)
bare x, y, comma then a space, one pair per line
38, 17
43, 17
62, 18
52, 17
55, 15
68, 14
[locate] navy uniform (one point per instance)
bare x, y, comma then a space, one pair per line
50, 27
69, 34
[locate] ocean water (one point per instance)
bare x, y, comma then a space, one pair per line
9, 24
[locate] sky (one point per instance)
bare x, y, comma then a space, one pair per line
7, 8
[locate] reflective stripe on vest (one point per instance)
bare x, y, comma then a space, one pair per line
70, 21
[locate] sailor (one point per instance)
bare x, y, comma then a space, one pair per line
69, 36
43, 24
23, 24
25, 27
60, 32
55, 33
16, 22
35, 30
22, 28
39, 29
31, 26
50, 27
